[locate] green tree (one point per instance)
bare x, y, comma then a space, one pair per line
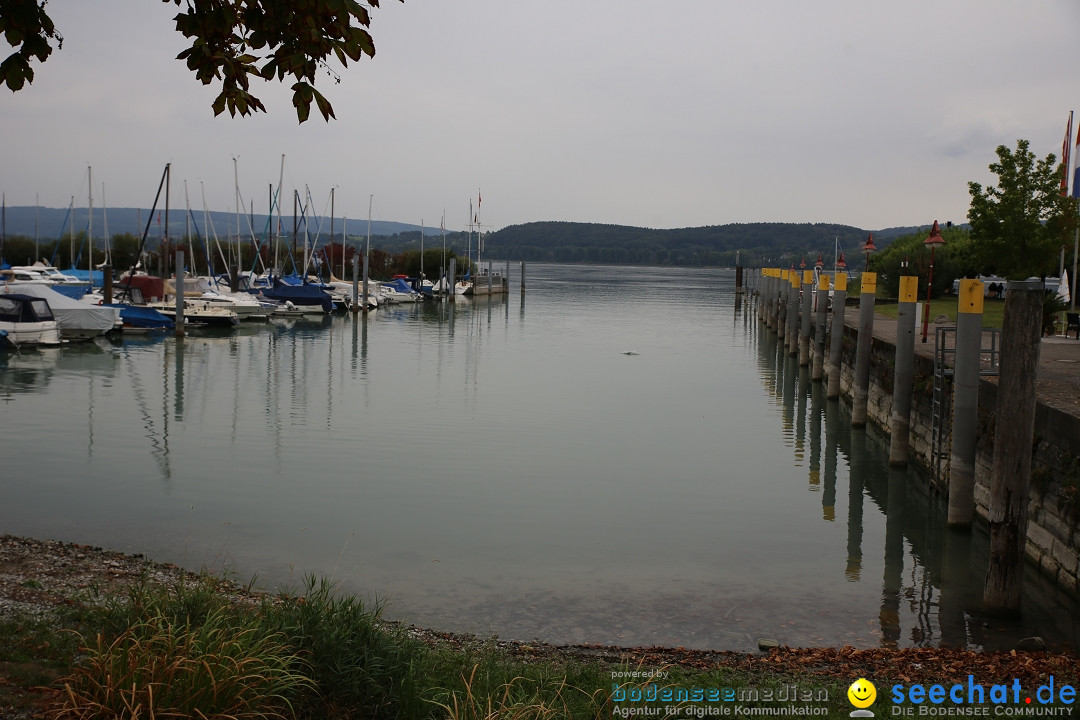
1018, 227
231, 42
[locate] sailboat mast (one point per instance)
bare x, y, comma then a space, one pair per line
332, 232
421, 248
105, 220
90, 225
236, 185
71, 231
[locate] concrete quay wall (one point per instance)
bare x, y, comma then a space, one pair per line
1053, 536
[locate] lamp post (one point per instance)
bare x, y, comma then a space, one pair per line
868, 248
932, 242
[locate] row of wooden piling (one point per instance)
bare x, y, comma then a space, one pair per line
785, 300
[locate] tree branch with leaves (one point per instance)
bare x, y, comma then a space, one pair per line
232, 41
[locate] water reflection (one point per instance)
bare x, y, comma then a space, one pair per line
507, 472
931, 579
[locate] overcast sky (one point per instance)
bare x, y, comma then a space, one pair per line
673, 113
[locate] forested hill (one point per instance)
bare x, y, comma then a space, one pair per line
758, 244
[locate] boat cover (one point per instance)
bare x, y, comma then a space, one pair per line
73, 314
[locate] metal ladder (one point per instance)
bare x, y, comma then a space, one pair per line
941, 403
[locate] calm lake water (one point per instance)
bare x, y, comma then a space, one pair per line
623, 457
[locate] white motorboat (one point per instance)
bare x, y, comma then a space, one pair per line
27, 320
78, 319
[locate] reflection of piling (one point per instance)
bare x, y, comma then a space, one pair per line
861, 390
954, 601
903, 373
836, 335
1010, 477
857, 471
832, 450
965, 404
817, 372
179, 293
804, 329
892, 579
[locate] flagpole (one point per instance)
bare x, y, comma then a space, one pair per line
1076, 237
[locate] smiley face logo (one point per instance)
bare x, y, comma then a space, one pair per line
862, 693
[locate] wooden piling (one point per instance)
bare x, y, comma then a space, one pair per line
1010, 477
903, 373
836, 335
804, 327
817, 371
179, 326
861, 390
965, 405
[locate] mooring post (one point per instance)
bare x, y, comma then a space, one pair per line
903, 373
777, 308
1014, 431
817, 372
836, 335
522, 277
781, 305
793, 314
356, 284
861, 391
453, 278
366, 263
179, 293
738, 279
965, 405
106, 283
767, 297
804, 328
489, 277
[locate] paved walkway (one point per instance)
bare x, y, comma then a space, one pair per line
1059, 360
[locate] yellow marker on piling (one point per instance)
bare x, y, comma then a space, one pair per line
869, 282
971, 297
841, 282
909, 289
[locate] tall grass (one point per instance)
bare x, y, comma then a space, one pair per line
196, 649
223, 667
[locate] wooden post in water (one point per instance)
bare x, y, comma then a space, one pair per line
903, 374
366, 294
179, 293
791, 331
965, 405
804, 328
522, 277
861, 391
356, 284
453, 277
836, 335
817, 371
1010, 477
106, 284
